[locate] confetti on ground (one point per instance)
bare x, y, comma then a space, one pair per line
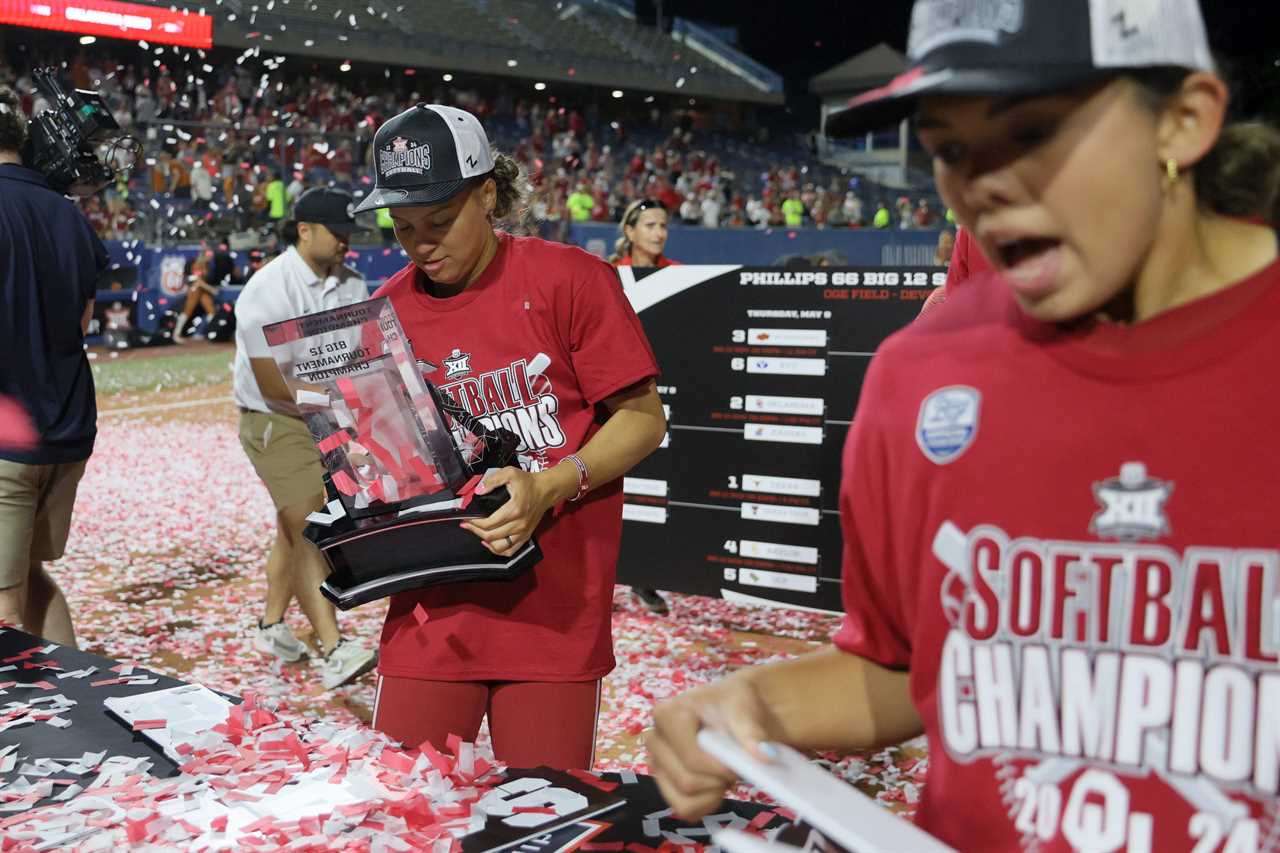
164, 569
267, 782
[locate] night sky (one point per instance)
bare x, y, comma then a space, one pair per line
801, 38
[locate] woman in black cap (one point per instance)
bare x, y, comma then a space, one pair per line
1061, 556
537, 337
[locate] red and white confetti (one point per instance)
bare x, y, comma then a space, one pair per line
165, 569
266, 782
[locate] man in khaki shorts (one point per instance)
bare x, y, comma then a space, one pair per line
308, 277
49, 265
35, 517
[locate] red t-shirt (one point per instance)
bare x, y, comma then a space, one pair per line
537, 342
1069, 537
341, 162
663, 261
967, 260
670, 199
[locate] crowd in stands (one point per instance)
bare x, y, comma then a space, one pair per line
229, 150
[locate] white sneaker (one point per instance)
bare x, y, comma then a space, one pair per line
278, 640
347, 662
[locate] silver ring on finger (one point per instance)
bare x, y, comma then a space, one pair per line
511, 543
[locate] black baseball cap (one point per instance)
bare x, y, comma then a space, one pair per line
427, 155
1027, 47
334, 209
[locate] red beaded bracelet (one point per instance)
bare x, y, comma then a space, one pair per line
584, 480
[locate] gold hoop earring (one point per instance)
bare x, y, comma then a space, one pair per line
1170, 173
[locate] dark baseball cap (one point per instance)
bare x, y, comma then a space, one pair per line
334, 209
426, 155
1028, 47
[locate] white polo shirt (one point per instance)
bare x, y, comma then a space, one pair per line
286, 287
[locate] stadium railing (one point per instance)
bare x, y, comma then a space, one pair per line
714, 48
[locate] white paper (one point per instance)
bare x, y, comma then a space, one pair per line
837, 810
188, 710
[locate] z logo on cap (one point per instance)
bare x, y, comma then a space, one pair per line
404, 156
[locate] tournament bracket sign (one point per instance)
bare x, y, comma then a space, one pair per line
761, 372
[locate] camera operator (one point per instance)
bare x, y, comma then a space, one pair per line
49, 263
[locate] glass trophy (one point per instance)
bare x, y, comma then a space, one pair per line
401, 460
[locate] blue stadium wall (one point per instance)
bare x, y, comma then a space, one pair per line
752, 247
141, 268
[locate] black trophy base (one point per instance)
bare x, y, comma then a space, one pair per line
376, 557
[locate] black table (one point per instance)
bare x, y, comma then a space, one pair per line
92, 729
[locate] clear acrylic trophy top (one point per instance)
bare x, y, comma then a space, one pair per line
357, 384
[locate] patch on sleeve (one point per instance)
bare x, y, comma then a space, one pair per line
948, 422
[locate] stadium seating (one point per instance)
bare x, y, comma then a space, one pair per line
276, 115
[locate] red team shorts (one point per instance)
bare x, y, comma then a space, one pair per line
531, 722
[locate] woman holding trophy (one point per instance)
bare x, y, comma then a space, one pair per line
538, 338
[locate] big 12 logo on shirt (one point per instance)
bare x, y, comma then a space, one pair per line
1114, 661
